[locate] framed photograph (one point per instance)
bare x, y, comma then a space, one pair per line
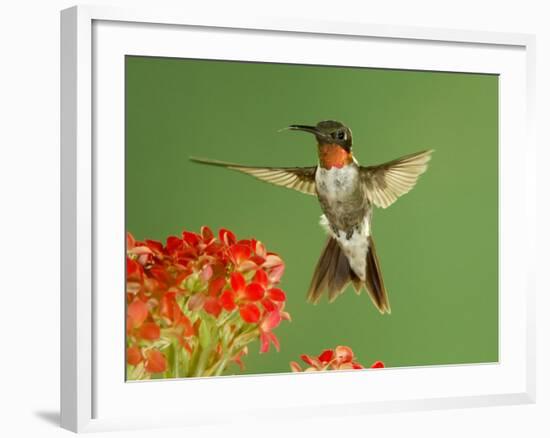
224, 182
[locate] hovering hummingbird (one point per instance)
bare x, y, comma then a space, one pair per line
347, 193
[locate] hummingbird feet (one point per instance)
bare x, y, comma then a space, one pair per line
352, 230
349, 233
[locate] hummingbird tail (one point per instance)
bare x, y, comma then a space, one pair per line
333, 273
374, 283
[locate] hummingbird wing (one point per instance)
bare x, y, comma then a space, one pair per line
301, 179
387, 182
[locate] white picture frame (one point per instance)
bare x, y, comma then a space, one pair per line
93, 40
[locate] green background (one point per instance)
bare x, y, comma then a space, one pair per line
438, 245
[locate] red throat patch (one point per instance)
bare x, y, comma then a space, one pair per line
334, 155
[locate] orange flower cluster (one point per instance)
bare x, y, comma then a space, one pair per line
196, 302
341, 358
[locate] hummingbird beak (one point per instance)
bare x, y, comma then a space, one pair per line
311, 129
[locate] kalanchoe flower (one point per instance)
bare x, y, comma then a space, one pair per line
156, 361
194, 290
341, 358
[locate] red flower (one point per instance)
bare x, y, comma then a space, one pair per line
149, 331
227, 300
276, 295
238, 358
133, 356
191, 238
171, 288
261, 278
250, 313
238, 283
212, 306
341, 358
137, 313
267, 337
169, 307
254, 292
227, 237
155, 362
239, 253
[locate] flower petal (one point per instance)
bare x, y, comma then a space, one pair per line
227, 300
265, 339
250, 313
237, 282
155, 246
272, 260
257, 260
133, 355
295, 367
344, 354
276, 273
264, 342
238, 358
188, 329
260, 250
169, 307
212, 306
276, 294
207, 234
227, 237
130, 241
173, 243
216, 286
326, 356
309, 360
254, 292
247, 266
378, 364
134, 270
261, 278
271, 321
156, 362
196, 302
137, 312
190, 238
149, 331
206, 273
239, 253
269, 305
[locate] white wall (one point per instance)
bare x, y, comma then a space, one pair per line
29, 205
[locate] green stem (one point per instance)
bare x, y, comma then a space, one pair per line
194, 360
202, 362
176, 359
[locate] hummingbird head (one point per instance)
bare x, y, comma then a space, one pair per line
334, 141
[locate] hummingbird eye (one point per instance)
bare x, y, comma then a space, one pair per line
341, 135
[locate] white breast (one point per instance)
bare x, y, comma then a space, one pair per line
336, 183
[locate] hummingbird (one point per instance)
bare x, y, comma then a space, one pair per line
347, 193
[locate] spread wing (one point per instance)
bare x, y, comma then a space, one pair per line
387, 182
301, 179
